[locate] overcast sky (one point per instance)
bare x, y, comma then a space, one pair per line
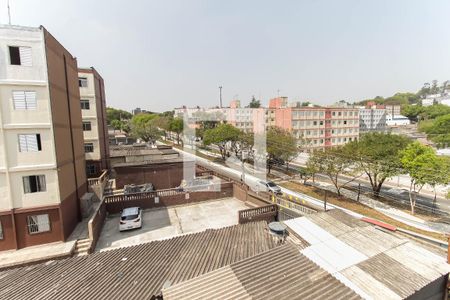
162, 54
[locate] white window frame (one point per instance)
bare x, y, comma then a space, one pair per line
88, 145
30, 142
87, 124
40, 182
84, 101
82, 82
24, 100
38, 223
25, 56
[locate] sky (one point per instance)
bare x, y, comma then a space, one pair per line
158, 55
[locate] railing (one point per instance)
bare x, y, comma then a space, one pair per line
296, 207
99, 180
268, 213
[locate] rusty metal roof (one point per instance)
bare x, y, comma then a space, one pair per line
280, 273
137, 272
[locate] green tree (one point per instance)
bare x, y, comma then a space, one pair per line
116, 114
143, 126
420, 162
334, 162
177, 125
222, 136
254, 103
281, 147
438, 130
377, 154
162, 121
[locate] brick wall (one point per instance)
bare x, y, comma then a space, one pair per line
116, 203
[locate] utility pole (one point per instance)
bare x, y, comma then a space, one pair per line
220, 95
243, 156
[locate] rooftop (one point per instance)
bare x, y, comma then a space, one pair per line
137, 272
358, 254
280, 273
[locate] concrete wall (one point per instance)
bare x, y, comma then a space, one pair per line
162, 176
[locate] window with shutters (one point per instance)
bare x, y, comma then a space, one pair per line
24, 100
38, 223
88, 147
85, 104
20, 56
87, 126
34, 184
82, 82
30, 142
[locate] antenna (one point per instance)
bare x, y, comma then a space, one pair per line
220, 95
9, 13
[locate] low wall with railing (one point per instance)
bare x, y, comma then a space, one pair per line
97, 185
264, 213
169, 197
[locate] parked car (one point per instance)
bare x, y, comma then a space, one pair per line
130, 218
271, 187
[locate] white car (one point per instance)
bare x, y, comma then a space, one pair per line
130, 218
268, 186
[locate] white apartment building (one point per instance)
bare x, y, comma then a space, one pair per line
95, 131
372, 118
42, 172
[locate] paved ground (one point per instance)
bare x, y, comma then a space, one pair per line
163, 223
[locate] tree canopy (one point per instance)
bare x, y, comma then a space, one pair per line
254, 103
144, 126
116, 114
281, 147
377, 154
223, 135
421, 162
333, 162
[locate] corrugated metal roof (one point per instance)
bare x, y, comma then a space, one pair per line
374, 263
280, 273
137, 272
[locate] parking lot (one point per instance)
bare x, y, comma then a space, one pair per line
165, 223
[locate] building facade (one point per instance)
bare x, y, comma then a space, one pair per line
320, 127
95, 130
372, 118
42, 166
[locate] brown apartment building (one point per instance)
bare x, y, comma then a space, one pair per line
95, 130
42, 159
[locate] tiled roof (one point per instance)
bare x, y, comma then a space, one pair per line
137, 272
375, 263
280, 273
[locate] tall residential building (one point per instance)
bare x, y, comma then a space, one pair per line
372, 118
95, 130
393, 110
42, 166
320, 127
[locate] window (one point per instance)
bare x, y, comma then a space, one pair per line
34, 184
30, 142
38, 223
1, 231
20, 56
91, 169
82, 82
345, 122
87, 126
24, 100
314, 123
88, 147
85, 104
321, 122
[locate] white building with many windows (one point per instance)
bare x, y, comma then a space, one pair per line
42, 173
